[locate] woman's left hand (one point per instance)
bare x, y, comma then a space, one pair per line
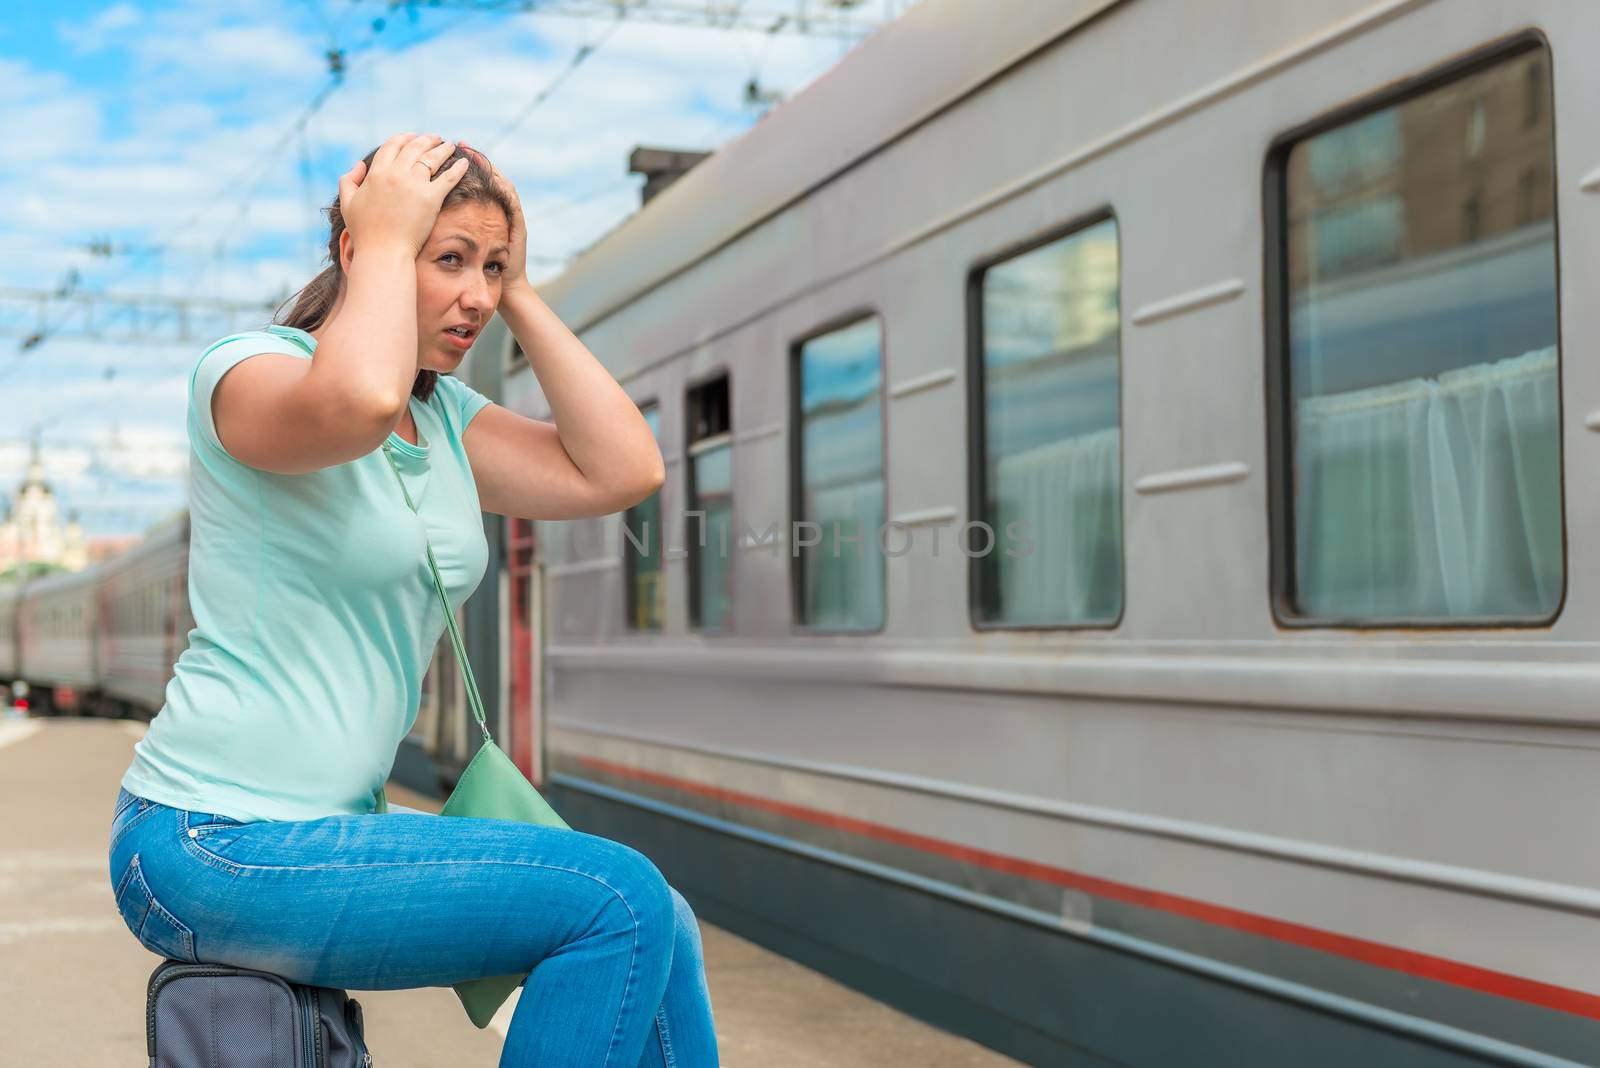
516, 269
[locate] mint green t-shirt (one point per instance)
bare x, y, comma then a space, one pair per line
315, 612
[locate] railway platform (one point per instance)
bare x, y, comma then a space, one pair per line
72, 986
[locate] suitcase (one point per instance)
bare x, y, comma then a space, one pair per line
219, 1016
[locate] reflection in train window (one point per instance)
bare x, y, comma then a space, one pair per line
709, 491
1047, 418
641, 551
1421, 382
837, 386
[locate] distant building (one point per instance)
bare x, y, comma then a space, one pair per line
32, 532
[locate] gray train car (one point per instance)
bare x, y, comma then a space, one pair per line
145, 620
1263, 730
10, 602
57, 623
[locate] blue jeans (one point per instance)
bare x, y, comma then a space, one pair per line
402, 899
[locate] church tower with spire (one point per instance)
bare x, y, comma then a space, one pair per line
32, 530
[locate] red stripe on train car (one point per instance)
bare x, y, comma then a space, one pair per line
1407, 961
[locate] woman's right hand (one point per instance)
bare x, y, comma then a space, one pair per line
397, 199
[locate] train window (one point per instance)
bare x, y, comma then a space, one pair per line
708, 477
646, 589
836, 387
1416, 376
1046, 422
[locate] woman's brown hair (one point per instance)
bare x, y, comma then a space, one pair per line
312, 303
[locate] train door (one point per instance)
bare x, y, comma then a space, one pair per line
174, 636
524, 638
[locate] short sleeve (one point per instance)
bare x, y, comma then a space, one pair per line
217, 361
463, 401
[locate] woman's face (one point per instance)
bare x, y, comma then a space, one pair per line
458, 281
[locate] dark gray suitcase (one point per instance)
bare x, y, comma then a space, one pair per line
219, 1016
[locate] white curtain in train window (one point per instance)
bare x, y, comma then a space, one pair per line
716, 567
845, 587
1066, 493
1432, 497
841, 476
713, 490
643, 551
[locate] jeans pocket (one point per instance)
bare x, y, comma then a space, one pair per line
205, 822
196, 831
156, 929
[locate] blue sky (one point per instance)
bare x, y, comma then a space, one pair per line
152, 124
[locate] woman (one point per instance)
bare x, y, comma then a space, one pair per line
244, 830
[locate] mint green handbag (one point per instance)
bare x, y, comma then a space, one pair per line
491, 786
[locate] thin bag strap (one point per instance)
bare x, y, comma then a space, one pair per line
449, 617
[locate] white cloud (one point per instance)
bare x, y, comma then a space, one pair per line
227, 57
46, 116
104, 30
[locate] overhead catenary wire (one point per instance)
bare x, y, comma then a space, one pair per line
296, 130
257, 167
584, 52
636, 9
298, 127
793, 17
240, 189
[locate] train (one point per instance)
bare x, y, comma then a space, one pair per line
102, 643
1119, 587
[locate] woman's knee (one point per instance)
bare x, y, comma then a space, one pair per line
686, 927
639, 894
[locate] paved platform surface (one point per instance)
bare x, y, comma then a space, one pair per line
72, 979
